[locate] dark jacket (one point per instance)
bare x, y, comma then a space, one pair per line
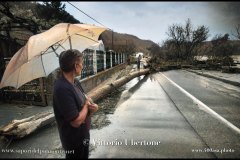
68, 100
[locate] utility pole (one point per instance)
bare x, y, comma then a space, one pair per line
125, 50
112, 39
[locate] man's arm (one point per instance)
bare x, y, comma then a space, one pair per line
81, 116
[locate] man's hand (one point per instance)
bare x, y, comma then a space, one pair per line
89, 98
87, 102
93, 107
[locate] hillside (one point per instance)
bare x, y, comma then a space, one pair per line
35, 17
237, 44
206, 47
121, 40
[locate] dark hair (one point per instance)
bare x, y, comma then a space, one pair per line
68, 58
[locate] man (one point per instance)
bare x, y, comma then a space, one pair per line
72, 108
138, 62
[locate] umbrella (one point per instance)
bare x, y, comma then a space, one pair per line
39, 57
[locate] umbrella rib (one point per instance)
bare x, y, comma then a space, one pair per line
18, 77
59, 45
54, 51
63, 42
86, 37
62, 47
43, 65
69, 38
45, 51
70, 42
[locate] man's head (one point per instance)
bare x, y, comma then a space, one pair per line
71, 60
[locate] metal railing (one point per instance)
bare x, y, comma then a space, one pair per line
100, 60
30, 93
87, 63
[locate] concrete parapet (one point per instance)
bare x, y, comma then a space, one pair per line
91, 82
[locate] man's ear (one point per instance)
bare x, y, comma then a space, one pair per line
75, 67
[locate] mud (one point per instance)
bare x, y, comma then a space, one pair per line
107, 106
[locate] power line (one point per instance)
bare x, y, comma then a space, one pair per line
88, 15
93, 19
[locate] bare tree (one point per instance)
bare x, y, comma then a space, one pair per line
156, 53
237, 30
186, 39
176, 35
203, 49
170, 50
219, 45
222, 49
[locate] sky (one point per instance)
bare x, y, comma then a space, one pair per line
150, 20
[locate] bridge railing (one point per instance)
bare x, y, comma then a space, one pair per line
95, 61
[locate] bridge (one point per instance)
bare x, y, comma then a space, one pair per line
98, 63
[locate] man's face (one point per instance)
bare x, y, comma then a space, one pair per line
79, 66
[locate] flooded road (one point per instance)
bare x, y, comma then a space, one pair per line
146, 124
222, 97
148, 117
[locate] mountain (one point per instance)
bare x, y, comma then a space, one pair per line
121, 41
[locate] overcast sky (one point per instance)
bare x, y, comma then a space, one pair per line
150, 20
